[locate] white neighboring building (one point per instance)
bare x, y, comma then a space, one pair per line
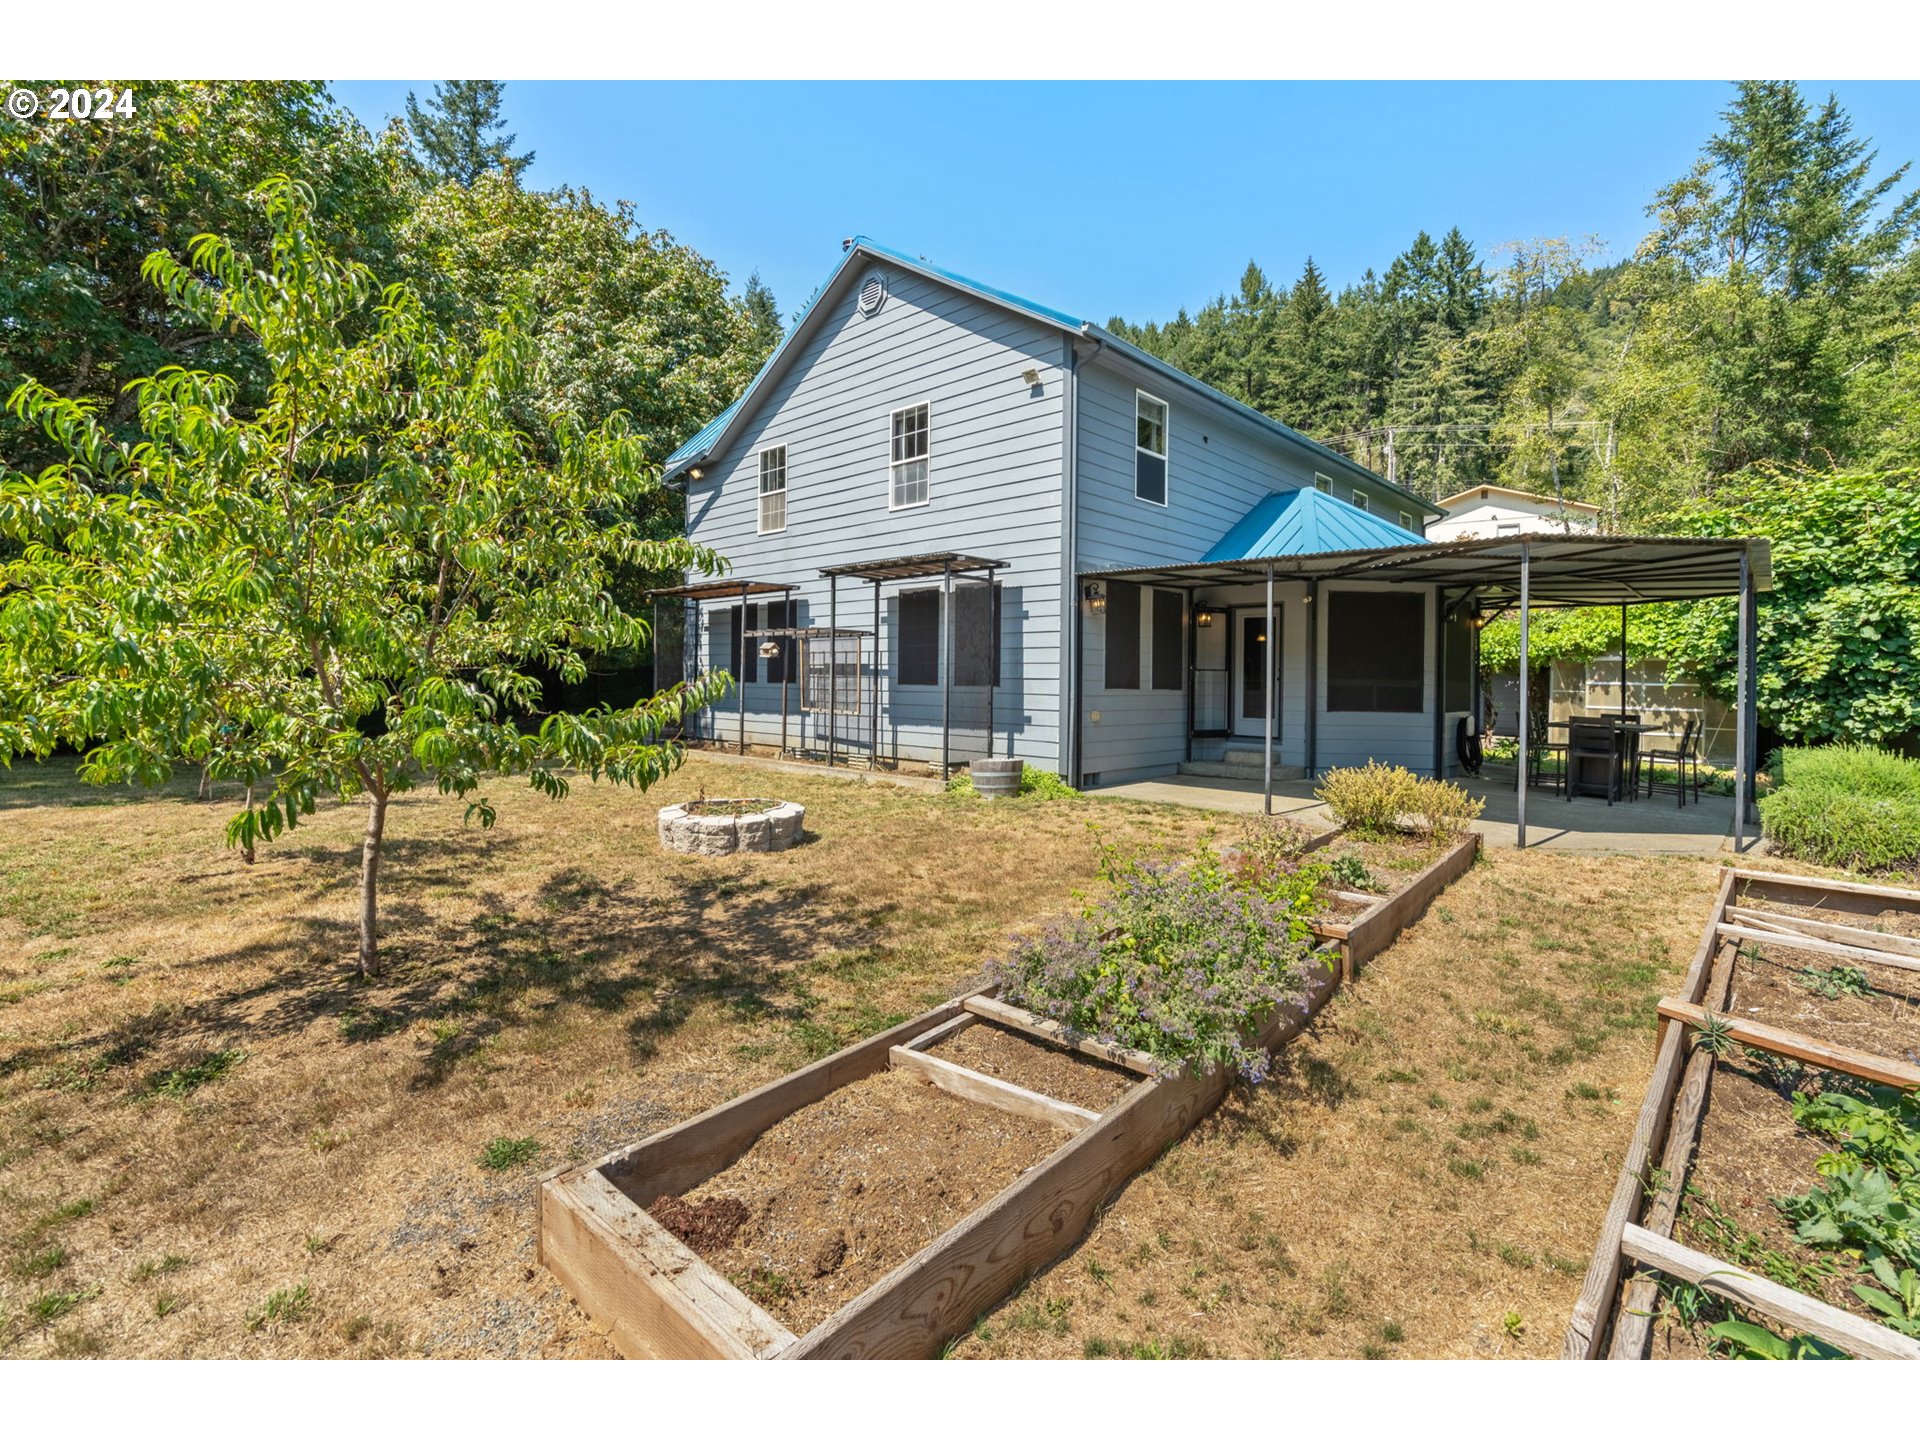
1487, 511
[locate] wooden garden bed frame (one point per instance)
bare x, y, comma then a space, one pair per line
1385, 916
657, 1299
1638, 1226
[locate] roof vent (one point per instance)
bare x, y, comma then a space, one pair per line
873, 293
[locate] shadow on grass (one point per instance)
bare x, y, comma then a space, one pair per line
612, 948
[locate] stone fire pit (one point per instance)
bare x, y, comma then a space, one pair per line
720, 827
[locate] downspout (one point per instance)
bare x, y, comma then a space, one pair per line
1070, 543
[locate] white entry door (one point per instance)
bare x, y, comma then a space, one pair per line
1250, 700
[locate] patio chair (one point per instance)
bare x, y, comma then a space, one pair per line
1539, 747
1685, 761
1593, 740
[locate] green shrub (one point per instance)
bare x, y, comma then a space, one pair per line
1445, 810
1369, 799
1828, 825
1857, 769
1034, 784
1376, 799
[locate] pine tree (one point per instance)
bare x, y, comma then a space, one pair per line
764, 315
453, 133
1307, 376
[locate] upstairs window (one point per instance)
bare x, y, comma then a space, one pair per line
1149, 448
1359, 502
908, 465
1322, 484
1407, 522
773, 490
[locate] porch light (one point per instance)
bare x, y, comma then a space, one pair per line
1096, 594
696, 473
1203, 617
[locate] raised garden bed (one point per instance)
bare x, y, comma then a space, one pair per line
1361, 925
1799, 986
873, 1204
723, 826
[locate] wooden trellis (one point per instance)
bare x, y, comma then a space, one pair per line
1615, 1319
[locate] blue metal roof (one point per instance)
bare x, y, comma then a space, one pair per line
1305, 522
703, 443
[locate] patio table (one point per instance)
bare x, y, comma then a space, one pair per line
1626, 735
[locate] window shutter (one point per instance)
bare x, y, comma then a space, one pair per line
1123, 636
919, 642
1168, 640
976, 637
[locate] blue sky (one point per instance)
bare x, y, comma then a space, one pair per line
1129, 199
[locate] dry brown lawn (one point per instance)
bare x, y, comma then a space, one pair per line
215, 1141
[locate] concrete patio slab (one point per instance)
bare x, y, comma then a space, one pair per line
1640, 827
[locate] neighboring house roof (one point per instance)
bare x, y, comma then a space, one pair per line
712, 436
1487, 492
1305, 522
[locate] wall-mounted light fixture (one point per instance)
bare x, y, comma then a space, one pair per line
1031, 374
1096, 594
696, 473
1203, 617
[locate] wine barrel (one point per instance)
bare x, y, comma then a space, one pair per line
996, 779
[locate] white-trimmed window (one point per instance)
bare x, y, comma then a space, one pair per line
773, 489
907, 467
1322, 483
1407, 522
1359, 501
1149, 448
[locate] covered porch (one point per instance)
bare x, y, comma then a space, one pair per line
1469, 582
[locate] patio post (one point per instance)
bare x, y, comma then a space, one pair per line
1313, 682
833, 661
946, 673
1623, 662
740, 680
1740, 757
1520, 799
1266, 701
873, 750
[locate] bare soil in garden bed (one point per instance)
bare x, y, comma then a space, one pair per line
1037, 1066
839, 1193
1779, 986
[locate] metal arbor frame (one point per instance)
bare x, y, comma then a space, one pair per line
948, 565
737, 591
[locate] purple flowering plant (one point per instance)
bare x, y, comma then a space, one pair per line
1178, 958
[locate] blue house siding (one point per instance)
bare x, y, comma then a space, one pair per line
1218, 469
995, 490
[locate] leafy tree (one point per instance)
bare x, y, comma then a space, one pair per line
343, 591
82, 205
454, 133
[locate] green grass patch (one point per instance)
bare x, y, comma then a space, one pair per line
503, 1153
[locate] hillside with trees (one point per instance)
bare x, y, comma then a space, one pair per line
1752, 368
1770, 315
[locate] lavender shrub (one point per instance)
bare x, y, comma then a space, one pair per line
1178, 960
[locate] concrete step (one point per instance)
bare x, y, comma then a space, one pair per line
1231, 769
